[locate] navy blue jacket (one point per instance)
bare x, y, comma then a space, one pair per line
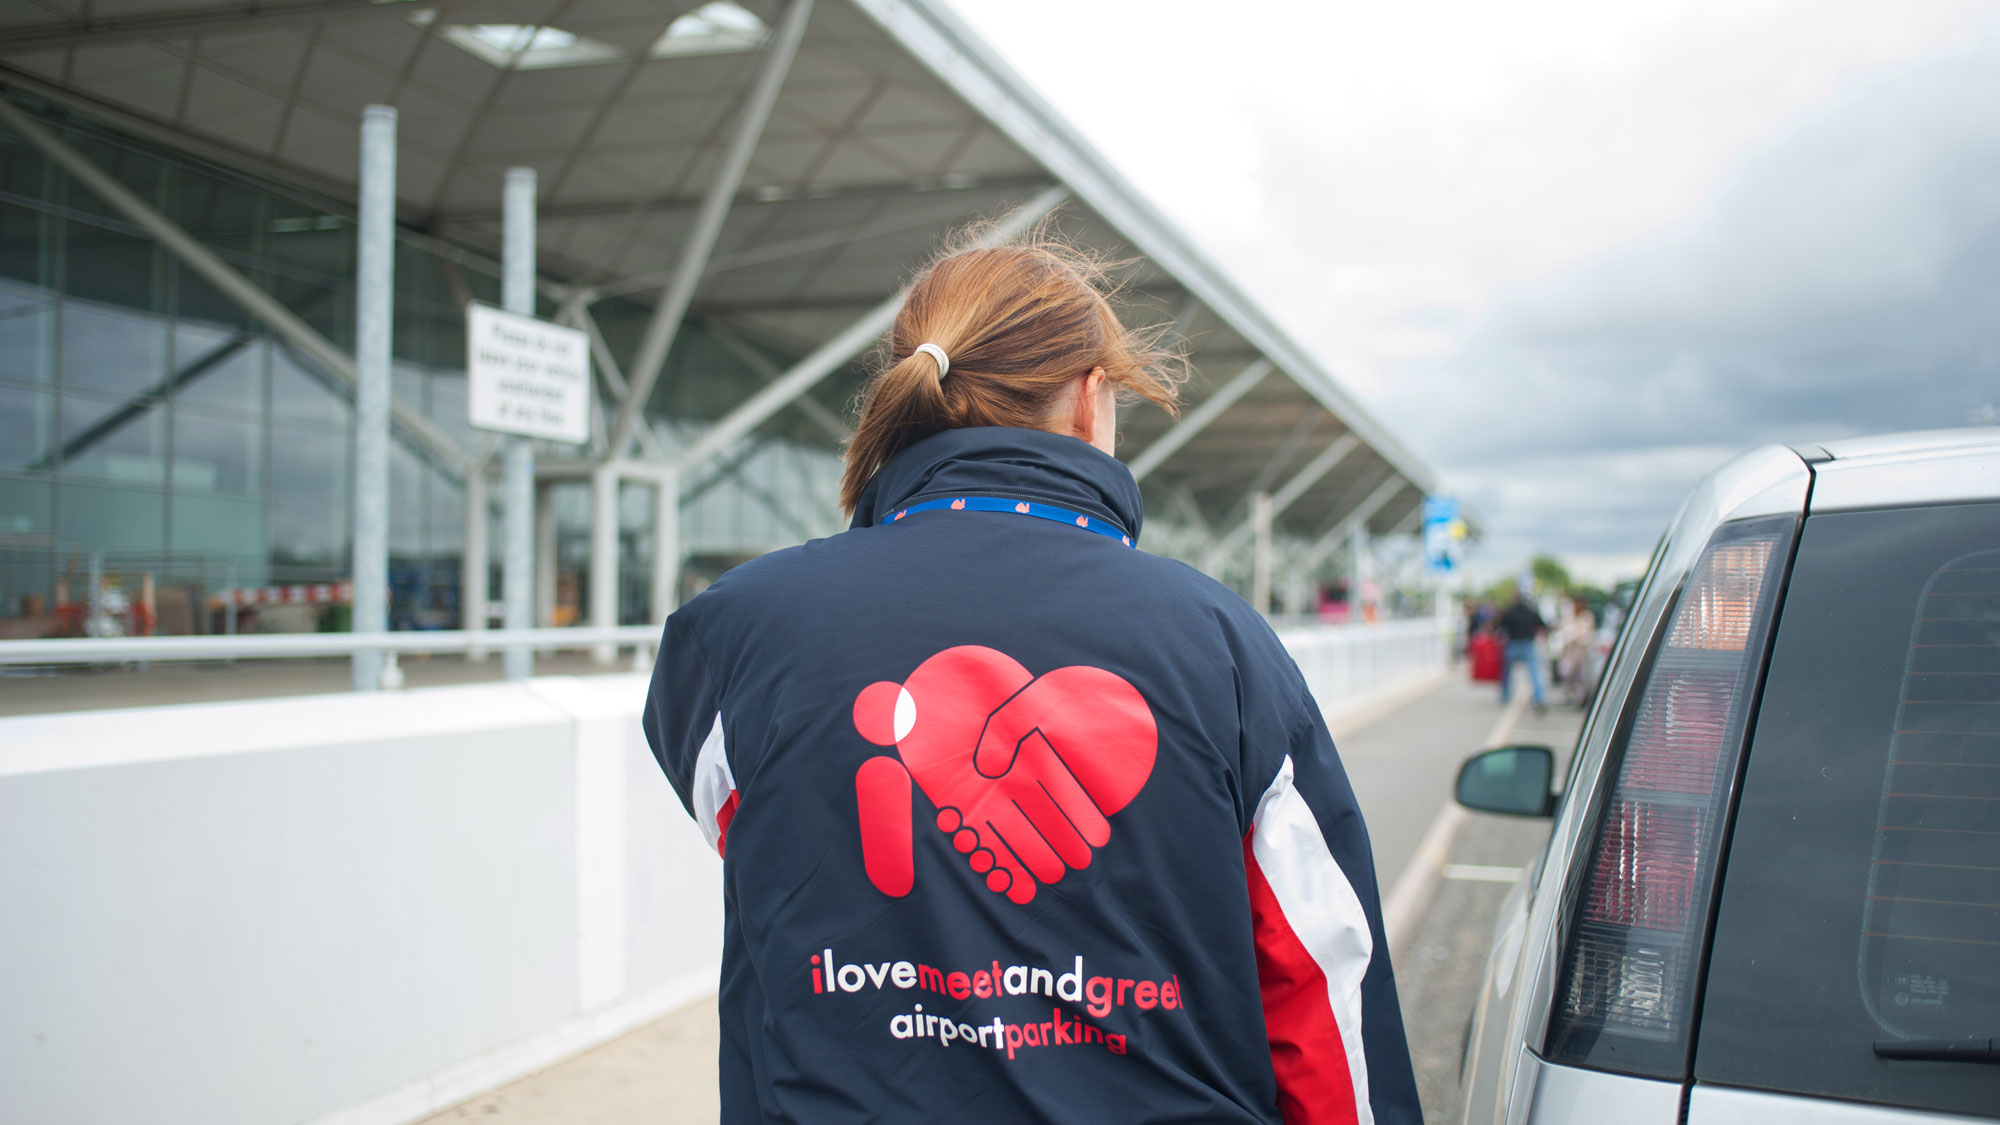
1021, 823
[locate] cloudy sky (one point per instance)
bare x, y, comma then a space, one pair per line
1575, 253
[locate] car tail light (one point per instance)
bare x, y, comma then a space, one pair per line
1642, 906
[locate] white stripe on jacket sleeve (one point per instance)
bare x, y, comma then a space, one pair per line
1321, 909
714, 788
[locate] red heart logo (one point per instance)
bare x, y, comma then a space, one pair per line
1024, 770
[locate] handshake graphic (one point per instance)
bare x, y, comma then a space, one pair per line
1023, 770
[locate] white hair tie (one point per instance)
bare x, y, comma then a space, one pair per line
936, 353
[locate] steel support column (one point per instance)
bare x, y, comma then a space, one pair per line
1287, 448
1184, 316
1298, 594
607, 482
828, 422
1286, 496
612, 376
1334, 539
1181, 501
1196, 420
658, 339
835, 353
474, 566
779, 251
829, 357
604, 482
374, 291
1260, 560
545, 554
244, 292
666, 543
1318, 467
1357, 563
517, 574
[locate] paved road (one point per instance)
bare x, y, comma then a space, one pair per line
1444, 962
1401, 766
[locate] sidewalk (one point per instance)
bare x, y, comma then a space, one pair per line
663, 1072
1401, 761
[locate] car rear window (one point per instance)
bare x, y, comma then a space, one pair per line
1861, 892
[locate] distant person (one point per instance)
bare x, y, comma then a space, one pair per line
1519, 626
1020, 823
1574, 642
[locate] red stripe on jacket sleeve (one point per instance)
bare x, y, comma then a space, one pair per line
1307, 1053
723, 816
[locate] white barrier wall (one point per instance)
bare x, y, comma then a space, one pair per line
364, 908
1350, 666
275, 910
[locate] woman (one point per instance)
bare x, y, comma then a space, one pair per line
1577, 636
1020, 823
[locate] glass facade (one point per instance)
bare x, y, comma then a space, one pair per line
152, 429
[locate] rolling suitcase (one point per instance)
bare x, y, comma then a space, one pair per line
1484, 650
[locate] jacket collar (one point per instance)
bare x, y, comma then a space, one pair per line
1017, 464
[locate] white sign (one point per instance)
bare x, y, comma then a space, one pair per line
528, 376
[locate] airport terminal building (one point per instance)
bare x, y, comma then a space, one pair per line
730, 195
265, 900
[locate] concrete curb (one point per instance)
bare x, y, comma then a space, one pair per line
1403, 908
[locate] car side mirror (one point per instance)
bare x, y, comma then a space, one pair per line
1512, 780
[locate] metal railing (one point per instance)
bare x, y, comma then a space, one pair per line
114, 650
1302, 639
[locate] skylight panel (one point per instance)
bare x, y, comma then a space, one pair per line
526, 46
715, 28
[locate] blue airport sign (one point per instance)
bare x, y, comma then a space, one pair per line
1444, 530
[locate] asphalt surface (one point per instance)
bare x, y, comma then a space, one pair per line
1444, 963
1401, 766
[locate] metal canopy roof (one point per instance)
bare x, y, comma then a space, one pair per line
893, 125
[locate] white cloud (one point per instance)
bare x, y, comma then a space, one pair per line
1605, 506
1573, 252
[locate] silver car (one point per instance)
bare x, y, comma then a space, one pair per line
1771, 892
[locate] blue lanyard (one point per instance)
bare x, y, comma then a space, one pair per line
1102, 527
